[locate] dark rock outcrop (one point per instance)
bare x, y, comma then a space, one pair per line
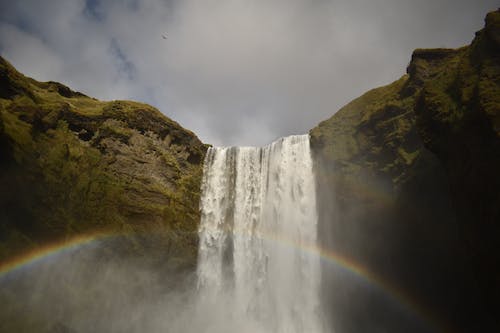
416, 191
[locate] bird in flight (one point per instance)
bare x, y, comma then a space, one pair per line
164, 36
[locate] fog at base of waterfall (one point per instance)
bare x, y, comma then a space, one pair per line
257, 270
258, 233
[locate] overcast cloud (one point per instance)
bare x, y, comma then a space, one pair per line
236, 72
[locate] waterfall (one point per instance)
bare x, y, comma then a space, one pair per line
258, 233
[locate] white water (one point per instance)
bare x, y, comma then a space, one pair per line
257, 263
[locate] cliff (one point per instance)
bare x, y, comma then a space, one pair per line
407, 180
408, 177
72, 165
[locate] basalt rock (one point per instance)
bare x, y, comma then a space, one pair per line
408, 176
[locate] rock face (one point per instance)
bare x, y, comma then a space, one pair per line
416, 192
72, 165
407, 180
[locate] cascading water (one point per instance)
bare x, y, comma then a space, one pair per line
258, 233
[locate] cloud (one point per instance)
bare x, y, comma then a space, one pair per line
233, 71
20, 45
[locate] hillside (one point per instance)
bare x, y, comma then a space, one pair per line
408, 177
407, 182
72, 165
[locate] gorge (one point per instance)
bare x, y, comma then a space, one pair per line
383, 218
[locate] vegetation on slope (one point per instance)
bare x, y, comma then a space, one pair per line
414, 172
72, 165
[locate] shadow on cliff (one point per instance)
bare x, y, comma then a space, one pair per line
407, 180
404, 252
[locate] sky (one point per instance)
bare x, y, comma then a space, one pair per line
235, 72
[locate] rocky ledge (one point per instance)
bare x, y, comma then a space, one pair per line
72, 165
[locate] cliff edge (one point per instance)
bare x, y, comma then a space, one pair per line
72, 165
409, 184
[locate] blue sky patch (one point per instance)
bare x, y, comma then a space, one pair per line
124, 66
93, 9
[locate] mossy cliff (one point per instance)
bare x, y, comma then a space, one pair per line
72, 165
409, 185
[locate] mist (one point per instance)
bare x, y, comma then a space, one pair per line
90, 289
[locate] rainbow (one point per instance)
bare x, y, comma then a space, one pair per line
396, 294
41, 253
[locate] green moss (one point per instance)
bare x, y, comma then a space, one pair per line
80, 165
20, 134
366, 134
408, 157
170, 161
382, 133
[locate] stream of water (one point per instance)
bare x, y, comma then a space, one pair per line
258, 236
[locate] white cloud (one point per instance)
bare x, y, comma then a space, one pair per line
233, 71
19, 47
